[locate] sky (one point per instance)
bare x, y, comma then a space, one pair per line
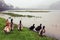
37, 4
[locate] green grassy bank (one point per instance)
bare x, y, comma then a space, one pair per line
25, 34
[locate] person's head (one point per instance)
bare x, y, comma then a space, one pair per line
11, 20
43, 27
40, 24
20, 21
33, 24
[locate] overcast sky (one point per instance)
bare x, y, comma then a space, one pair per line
38, 4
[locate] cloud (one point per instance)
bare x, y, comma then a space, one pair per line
36, 4
30, 4
55, 6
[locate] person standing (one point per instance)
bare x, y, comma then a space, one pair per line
11, 25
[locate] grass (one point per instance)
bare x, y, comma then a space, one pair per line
17, 15
25, 34
29, 11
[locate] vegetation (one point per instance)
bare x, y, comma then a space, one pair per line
25, 34
17, 15
30, 11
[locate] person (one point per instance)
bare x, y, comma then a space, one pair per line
42, 31
20, 26
7, 28
9, 19
38, 28
11, 24
32, 27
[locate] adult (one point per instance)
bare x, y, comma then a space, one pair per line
11, 25
42, 31
20, 26
7, 27
9, 19
32, 27
38, 28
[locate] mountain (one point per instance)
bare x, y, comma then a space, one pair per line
3, 6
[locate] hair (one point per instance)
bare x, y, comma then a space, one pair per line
40, 24
11, 20
20, 21
33, 24
43, 27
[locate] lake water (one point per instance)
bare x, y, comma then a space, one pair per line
50, 19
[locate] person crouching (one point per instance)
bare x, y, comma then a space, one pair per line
42, 31
20, 26
7, 28
32, 27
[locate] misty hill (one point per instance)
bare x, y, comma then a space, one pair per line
3, 6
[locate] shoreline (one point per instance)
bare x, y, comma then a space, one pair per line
25, 29
10, 16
